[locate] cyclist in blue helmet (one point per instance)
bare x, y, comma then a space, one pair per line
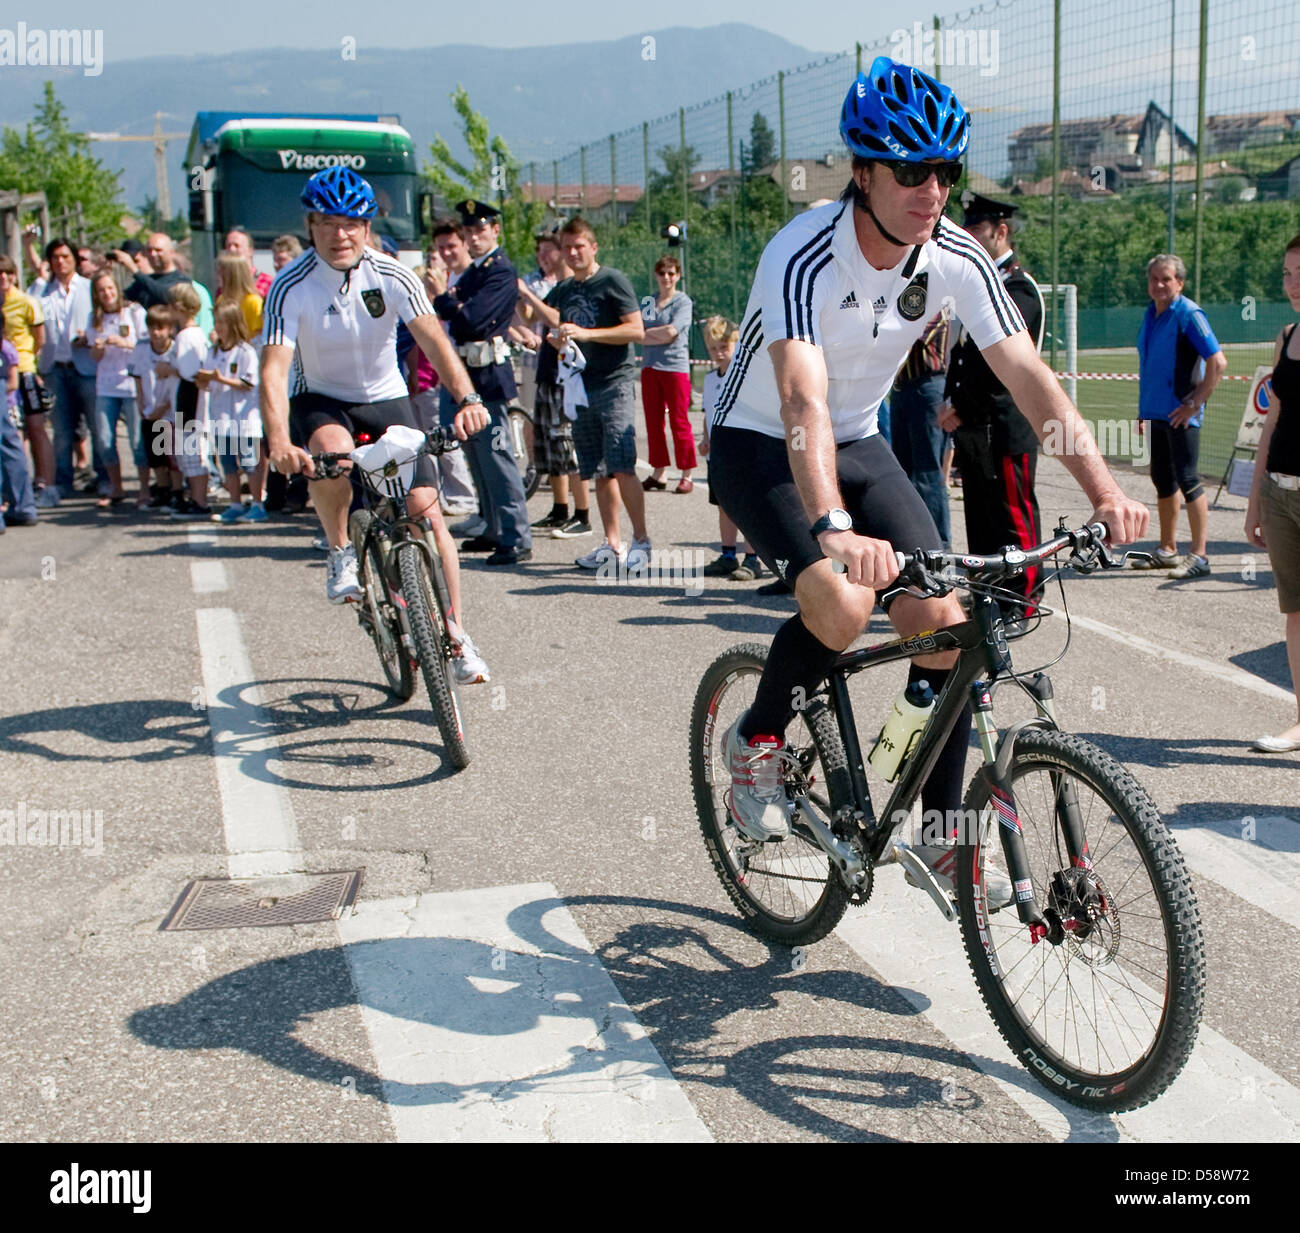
331, 316
840, 295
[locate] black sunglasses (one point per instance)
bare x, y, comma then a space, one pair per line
913, 175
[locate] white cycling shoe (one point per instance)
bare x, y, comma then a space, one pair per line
469, 667
758, 803
941, 860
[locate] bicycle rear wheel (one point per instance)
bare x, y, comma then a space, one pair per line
433, 646
381, 621
1106, 1014
787, 889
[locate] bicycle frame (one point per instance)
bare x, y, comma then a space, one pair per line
983, 659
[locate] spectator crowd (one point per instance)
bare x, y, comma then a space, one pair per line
106, 353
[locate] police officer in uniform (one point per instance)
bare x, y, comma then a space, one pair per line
477, 313
996, 449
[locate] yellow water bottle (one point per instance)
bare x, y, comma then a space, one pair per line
902, 730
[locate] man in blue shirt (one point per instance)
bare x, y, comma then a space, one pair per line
1179, 363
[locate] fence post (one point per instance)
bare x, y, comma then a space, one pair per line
1198, 224
645, 154
785, 188
731, 202
686, 191
1173, 132
79, 215
613, 182
582, 163
1056, 164
859, 59
555, 172
938, 57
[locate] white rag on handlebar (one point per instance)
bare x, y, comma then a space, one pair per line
389, 463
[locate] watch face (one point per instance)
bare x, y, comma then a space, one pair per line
841, 520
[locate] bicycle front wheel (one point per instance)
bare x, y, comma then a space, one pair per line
433, 646
1105, 1010
787, 889
381, 620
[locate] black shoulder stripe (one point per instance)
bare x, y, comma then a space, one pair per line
721, 413
798, 326
996, 292
731, 383
794, 271
286, 282
968, 246
812, 277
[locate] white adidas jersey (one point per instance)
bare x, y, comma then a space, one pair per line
344, 323
814, 284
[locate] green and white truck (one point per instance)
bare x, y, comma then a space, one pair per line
246, 169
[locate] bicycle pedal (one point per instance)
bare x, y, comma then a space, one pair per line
923, 878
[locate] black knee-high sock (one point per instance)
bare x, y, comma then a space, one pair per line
943, 789
797, 661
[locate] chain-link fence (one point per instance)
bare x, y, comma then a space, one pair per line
1123, 130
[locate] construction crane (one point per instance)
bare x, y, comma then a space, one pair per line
160, 140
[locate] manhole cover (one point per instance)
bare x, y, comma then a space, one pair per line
238, 903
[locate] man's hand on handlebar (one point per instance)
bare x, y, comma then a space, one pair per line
1126, 519
288, 459
472, 419
867, 562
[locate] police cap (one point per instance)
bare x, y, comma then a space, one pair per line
978, 208
473, 212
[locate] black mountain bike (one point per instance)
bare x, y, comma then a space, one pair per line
404, 604
1095, 973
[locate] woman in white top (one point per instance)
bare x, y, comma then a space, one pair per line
114, 330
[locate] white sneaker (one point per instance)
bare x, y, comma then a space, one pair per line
469, 666
341, 582
638, 556
758, 802
601, 557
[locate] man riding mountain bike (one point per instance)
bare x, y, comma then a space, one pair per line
338, 306
840, 295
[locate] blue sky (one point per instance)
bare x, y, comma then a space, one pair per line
829, 25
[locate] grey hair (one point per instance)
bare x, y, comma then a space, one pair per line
1180, 270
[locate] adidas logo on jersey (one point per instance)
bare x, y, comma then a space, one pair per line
850, 301
879, 306
331, 311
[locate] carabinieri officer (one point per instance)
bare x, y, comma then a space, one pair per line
996, 449
477, 312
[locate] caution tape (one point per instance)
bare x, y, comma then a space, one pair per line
1130, 376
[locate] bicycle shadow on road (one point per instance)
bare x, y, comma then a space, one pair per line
343, 713
676, 978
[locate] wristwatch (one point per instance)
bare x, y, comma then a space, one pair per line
832, 520
468, 401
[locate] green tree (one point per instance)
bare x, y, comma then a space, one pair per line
178, 226
762, 143
49, 157
492, 174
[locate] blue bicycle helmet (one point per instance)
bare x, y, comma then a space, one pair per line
339, 191
895, 111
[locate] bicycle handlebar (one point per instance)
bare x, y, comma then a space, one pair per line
436, 441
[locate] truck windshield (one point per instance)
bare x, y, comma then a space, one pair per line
266, 202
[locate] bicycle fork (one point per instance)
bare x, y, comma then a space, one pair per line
998, 751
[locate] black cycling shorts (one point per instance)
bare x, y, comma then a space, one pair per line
750, 472
1175, 453
308, 412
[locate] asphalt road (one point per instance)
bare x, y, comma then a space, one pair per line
539, 948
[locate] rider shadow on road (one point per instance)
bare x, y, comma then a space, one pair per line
339, 728
567, 1039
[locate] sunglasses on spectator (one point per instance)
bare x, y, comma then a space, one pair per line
913, 175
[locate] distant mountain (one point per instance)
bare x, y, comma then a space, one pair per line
544, 102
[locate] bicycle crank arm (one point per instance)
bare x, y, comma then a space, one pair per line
923, 878
847, 859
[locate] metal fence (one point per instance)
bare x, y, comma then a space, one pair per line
1123, 129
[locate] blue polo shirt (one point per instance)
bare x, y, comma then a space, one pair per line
1172, 350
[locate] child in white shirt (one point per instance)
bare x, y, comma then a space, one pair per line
189, 442
234, 421
154, 397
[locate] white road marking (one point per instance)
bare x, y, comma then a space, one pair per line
261, 835
1223, 1094
206, 576
491, 1020
1263, 870
1228, 673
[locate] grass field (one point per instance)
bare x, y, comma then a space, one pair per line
1112, 404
